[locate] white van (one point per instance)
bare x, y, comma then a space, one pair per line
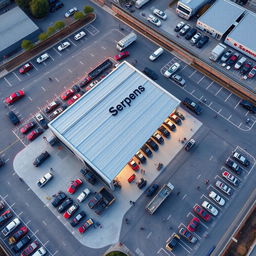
156, 54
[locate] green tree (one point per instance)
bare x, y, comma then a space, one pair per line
39, 8
78, 15
51, 30
26, 44
43, 36
23, 4
88, 9
59, 25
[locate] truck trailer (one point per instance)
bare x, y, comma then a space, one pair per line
217, 52
159, 198
126, 41
140, 3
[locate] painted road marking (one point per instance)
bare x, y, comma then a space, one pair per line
209, 85
16, 76
218, 91
7, 82
228, 97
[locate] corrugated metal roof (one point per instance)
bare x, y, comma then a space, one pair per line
221, 15
14, 26
244, 32
194, 3
108, 142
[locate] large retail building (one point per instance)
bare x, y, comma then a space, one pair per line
109, 124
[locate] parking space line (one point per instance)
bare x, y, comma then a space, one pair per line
45, 243
81, 62
218, 91
183, 245
5, 196
184, 196
51, 57
16, 76
27, 222
69, 70
162, 249
219, 110
228, 97
71, 41
19, 138
55, 253
7, 82
103, 48
30, 98
149, 234
57, 51
43, 88
19, 214
209, 85
200, 80
247, 113
57, 79
237, 104
229, 117
192, 73
34, 67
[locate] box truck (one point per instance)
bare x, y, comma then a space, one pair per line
126, 41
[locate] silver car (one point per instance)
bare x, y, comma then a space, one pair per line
195, 38
178, 79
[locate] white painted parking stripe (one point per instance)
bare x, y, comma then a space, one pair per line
92, 54
169, 217
57, 51
55, 253
51, 57
27, 222
218, 91
229, 117
7, 82
209, 85
247, 113
163, 250
200, 80
69, 70
16, 76
103, 48
5, 196
228, 97
71, 42
237, 104
184, 246
184, 196
43, 88
57, 79
81, 62
149, 234
192, 73
34, 67
30, 98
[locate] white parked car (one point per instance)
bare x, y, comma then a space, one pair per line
152, 19
70, 12
80, 35
230, 178
83, 195
241, 159
172, 69
217, 198
211, 209
40, 252
42, 58
239, 63
195, 38
10, 227
223, 187
47, 177
63, 46
162, 15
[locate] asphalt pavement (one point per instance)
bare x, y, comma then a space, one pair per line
217, 138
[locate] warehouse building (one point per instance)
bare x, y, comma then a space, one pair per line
15, 26
219, 19
110, 123
243, 37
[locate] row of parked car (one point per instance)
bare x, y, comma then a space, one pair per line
154, 18
195, 38
207, 209
231, 59
18, 239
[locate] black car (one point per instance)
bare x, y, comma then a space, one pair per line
95, 200
145, 149
25, 240
5, 216
59, 198
13, 118
152, 144
152, 190
142, 183
65, 205
158, 137
101, 68
234, 167
76, 220
140, 157
1, 162
248, 105
164, 131
89, 176
190, 33
41, 158
246, 68
190, 104
150, 73
203, 40
190, 144
56, 6
76, 88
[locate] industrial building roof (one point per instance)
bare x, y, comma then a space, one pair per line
14, 26
193, 3
221, 15
108, 140
244, 33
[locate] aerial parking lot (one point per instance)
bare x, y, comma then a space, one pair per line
208, 156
